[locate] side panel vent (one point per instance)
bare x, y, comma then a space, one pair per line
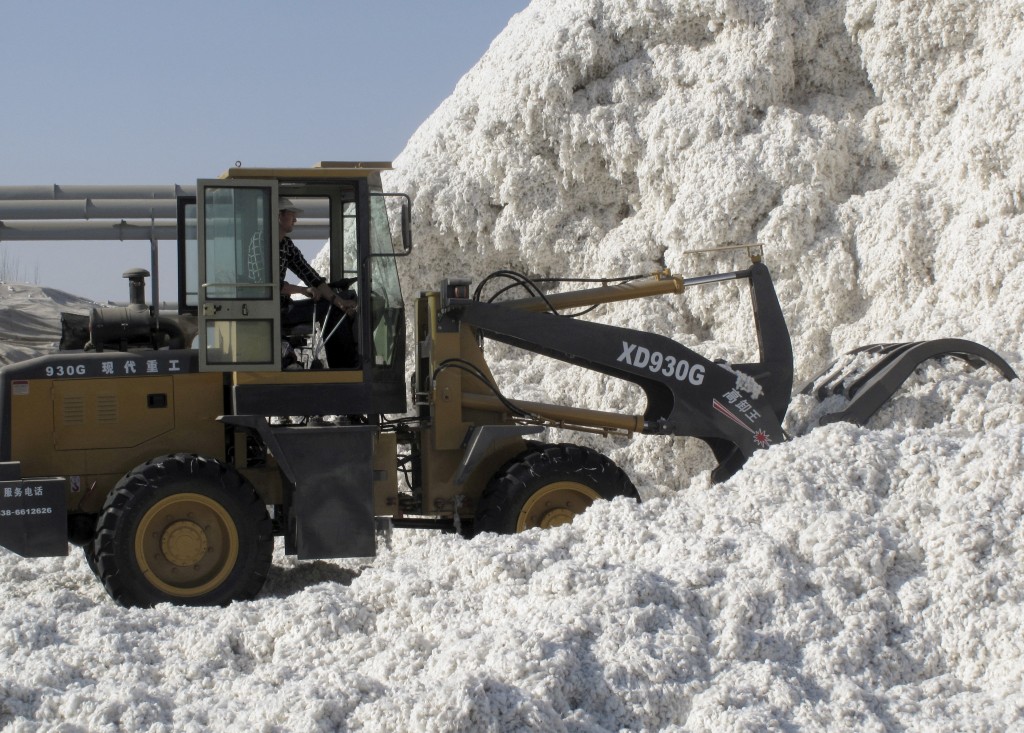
95, 414
74, 410
106, 409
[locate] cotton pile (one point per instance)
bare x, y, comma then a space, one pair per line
861, 578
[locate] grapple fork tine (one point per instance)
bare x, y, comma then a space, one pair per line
869, 383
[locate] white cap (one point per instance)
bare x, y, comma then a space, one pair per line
284, 204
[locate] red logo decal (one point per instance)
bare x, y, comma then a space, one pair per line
760, 436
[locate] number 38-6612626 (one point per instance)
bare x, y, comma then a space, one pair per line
26, 512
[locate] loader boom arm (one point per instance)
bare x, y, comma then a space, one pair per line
736, 409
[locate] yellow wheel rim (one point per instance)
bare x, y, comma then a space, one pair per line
186, 545
555, 504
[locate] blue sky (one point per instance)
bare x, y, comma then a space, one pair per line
147, 93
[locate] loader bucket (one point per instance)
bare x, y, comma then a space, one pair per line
870, 375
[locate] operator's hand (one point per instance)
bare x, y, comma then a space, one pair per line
349, 306
324, 291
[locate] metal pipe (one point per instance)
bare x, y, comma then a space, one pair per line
88, 209
116, 209
65, 231
154, 257
36, 231
60, 193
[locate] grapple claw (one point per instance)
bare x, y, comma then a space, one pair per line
870, 375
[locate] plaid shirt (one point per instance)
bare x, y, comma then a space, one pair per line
291, 259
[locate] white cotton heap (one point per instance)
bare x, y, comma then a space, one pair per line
874, 149
852, 578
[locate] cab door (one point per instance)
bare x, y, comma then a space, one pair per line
239, 299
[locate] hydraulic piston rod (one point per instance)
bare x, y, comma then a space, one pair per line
660, 284
559, 414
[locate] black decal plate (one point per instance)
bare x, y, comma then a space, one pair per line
33, 517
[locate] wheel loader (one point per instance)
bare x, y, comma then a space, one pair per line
174, 447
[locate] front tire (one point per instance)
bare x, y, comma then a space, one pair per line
183, 529
547, 486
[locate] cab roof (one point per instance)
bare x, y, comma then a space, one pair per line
324, 170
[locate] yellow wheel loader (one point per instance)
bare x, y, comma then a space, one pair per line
174, 447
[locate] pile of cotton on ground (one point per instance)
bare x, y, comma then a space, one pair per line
876, 149
853, 578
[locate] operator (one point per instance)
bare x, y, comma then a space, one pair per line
340, 348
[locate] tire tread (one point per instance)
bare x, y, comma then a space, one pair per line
119, 581
509, 488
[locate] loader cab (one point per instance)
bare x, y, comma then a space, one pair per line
229, 277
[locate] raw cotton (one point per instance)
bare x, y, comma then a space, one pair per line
852, 578
875, 149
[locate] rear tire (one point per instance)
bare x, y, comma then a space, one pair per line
547, 486
183, 529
